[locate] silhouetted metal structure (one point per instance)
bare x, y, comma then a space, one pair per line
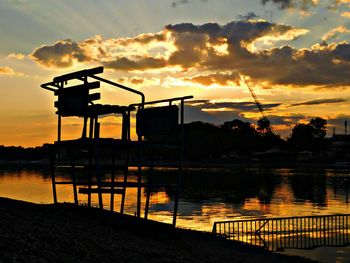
156, 127
258, 104
288, 232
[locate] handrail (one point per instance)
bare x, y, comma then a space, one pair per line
163, 100
288, 232
278, 218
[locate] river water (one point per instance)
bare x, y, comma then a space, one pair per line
210, 195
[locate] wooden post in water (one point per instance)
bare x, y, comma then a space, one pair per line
97, 164
52, 168
179, 175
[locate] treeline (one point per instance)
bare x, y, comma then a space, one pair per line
233, 139
13, 153
240, 139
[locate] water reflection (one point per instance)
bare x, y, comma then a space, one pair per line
210, 195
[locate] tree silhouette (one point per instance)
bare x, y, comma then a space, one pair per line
308, 136
319, 127
264, 126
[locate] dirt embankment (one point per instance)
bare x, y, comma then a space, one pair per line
66, 233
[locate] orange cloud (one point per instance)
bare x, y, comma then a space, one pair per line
10, 72
345, 14
133, 80
7, 71
217, 78
16, 56
334, 32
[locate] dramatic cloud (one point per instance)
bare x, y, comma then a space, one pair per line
321, 101
61, 54
214, 54
322, 65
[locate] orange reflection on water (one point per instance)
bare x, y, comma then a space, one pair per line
27, 186
194, 212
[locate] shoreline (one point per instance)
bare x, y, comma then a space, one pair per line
68, 233
194, 165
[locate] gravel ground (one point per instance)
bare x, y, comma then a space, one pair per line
67, 233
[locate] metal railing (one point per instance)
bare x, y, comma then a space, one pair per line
288, 232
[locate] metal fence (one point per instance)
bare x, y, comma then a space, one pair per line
288, 232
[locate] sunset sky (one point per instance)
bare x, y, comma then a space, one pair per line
295, 53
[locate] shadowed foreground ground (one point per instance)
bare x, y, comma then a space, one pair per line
66, 233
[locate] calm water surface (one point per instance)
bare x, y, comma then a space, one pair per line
210, 195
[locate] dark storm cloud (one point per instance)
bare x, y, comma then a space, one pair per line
321, 101
195, 113
180, 2
338, 121
248, 16
287, 119
236, 106
175, 4
283, 4
61, 54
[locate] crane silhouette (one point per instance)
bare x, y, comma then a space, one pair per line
265, 119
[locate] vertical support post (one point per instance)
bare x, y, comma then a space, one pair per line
127, 152
54, 151
139, 171
112, 178
59, 128
59, 117
97, 168
75, 191
52, 167
179, 174
125, 126
149, 184
91, 134
147, 200
83, 135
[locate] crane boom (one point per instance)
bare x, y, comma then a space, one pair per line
257, 102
